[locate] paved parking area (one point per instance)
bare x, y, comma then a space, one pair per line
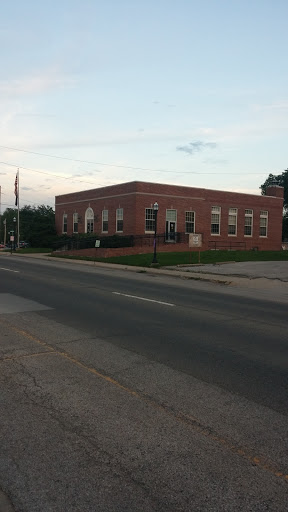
250, 269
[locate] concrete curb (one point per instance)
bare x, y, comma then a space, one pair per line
228, 279
5, 503
149, 270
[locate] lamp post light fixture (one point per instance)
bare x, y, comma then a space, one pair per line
155, 209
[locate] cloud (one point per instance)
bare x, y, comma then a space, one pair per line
27, 188
196, 147
85, 173
36, 84
3, 173
35, 115
215, 161
272, 106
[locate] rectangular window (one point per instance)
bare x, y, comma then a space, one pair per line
248, 223
263, 223
215, 220
149, 219
64, 223
104, 221
232, 221
171, 215
189, 222
119, 219
75, 222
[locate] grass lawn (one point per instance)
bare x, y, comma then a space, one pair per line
33, 250
186, 258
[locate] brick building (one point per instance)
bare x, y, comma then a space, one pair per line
225, 219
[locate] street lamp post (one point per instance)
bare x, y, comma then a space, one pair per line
155, 209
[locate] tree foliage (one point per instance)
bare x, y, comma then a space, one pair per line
277, 179
282, 180
37, 225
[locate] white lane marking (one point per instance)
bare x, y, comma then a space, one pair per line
143, 298
9, 270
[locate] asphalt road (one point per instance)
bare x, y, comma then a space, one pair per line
132, 392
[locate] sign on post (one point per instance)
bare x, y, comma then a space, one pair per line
195, 240
97, 243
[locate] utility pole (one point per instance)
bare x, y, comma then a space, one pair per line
4, 222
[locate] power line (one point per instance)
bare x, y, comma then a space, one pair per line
48, 173
123, 166
95, 163
114, 165
27, 201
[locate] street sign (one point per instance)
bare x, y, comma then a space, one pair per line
97, 243
12, 238
195, 240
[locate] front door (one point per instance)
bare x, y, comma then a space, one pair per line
170, 231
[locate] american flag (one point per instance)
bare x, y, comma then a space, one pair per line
16, 189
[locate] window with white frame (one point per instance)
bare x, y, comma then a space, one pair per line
75, 222
263, 223
248, 223
215, 220
171, 215
104, 221
232, 221
64, 224
119, 219
149, 219
190, 222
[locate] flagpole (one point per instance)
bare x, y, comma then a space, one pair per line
18, 224
0, 217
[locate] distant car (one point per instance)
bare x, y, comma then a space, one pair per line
2, 246
23, 244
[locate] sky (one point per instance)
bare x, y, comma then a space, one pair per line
95, 93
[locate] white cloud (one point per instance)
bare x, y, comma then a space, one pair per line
36, 84
272, 106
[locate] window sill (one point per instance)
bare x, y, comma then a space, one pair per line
215, 234
232, 235
149, 232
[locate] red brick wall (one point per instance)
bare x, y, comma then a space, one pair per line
134, 197
124, 251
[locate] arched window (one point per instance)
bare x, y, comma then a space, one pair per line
89, 221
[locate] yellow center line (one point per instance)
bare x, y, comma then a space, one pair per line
188, 420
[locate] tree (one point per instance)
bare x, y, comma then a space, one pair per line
37, 225
282, 180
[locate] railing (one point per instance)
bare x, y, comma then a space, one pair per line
217, 245
72, 243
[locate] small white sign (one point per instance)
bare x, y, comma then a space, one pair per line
195, 240
97, 243
12, 238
